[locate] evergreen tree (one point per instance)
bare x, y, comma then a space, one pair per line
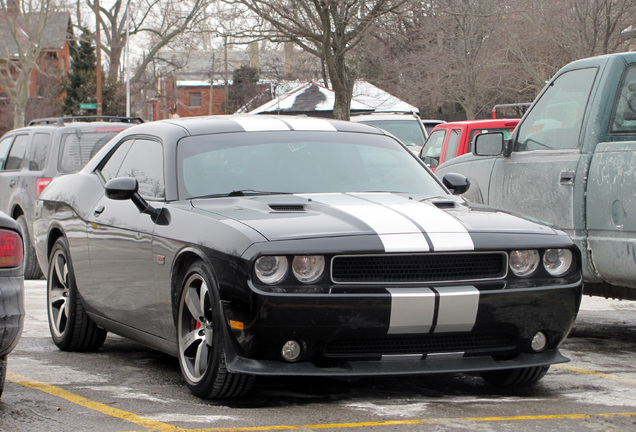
81, 86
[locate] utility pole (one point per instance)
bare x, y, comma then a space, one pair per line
98, 53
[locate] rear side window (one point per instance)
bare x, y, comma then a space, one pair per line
38, 151
507, 131
625, 110
451, 146
79, 147
556, 118
16, 155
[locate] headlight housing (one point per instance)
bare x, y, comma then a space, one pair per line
308, 268
271, 269
557, 262
523, 263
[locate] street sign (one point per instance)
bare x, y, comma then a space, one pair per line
88, 106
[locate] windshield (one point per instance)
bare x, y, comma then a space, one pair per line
408, 131
298, 162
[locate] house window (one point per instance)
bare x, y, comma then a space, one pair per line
195, 99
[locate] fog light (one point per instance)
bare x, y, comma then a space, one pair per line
291, 350
539, 342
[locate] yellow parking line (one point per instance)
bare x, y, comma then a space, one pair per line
595, 373
95, 406
164, 427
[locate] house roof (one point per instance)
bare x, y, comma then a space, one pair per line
308, 97
55, 33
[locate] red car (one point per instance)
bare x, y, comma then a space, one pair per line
448, 140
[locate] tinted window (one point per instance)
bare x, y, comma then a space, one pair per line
5, 145
38, 151
453, 141
110, 169
555, 120
16, 155
433, 148
144, 162
625, 110
80, 146
298, 162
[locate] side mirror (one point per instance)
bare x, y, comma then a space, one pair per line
127, 188
456, 183
489, 144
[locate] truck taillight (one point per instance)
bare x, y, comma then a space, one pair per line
40, 184
10, 249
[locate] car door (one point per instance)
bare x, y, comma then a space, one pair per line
538, 178
120, 238
611, 203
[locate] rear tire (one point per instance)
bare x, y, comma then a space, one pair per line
71, 328
200, 339
31, 265
3, 373
515, 377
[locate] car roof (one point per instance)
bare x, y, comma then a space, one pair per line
251, 123
479, 123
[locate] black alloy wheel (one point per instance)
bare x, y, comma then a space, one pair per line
200, 339
515, 377
31, 265
71, 329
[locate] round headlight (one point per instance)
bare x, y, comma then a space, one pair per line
557, 262
308, 268
271, 269
524, 263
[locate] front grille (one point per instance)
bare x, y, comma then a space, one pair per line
427, 344
431, 267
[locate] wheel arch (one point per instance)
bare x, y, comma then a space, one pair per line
182, 262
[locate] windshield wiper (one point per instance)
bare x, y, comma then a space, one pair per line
244, 192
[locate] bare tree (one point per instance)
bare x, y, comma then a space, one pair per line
327, 29
22, 29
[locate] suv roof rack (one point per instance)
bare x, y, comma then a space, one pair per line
59, 121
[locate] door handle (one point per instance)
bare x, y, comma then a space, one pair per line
12, 183
567, 178
99, 210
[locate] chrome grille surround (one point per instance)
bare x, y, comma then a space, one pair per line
419, 268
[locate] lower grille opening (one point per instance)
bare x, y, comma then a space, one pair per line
427, 344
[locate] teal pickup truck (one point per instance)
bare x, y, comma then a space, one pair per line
571, 162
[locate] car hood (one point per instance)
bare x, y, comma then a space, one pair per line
403, 223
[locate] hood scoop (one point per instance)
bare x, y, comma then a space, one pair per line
445, 204
287, 207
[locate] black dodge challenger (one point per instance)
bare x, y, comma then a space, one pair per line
262, 245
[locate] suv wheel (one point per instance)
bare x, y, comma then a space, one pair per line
31, 266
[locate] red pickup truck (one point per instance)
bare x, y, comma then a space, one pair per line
448, 140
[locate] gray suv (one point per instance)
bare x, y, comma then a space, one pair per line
31, 156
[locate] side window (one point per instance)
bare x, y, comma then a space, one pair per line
451, 146
433, 148
5, 146
144, 162
16, 155
624, 119
38, 151
555, 120
110, 169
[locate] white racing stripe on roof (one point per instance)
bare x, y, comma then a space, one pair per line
397, 233
445, 231
257, 123
310, 124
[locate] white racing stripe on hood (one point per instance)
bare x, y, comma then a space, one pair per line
257, 123
397, 232
445, 232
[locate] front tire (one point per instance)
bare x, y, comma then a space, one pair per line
200, 339
71, 328
3, 373
515, 377
31, 266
